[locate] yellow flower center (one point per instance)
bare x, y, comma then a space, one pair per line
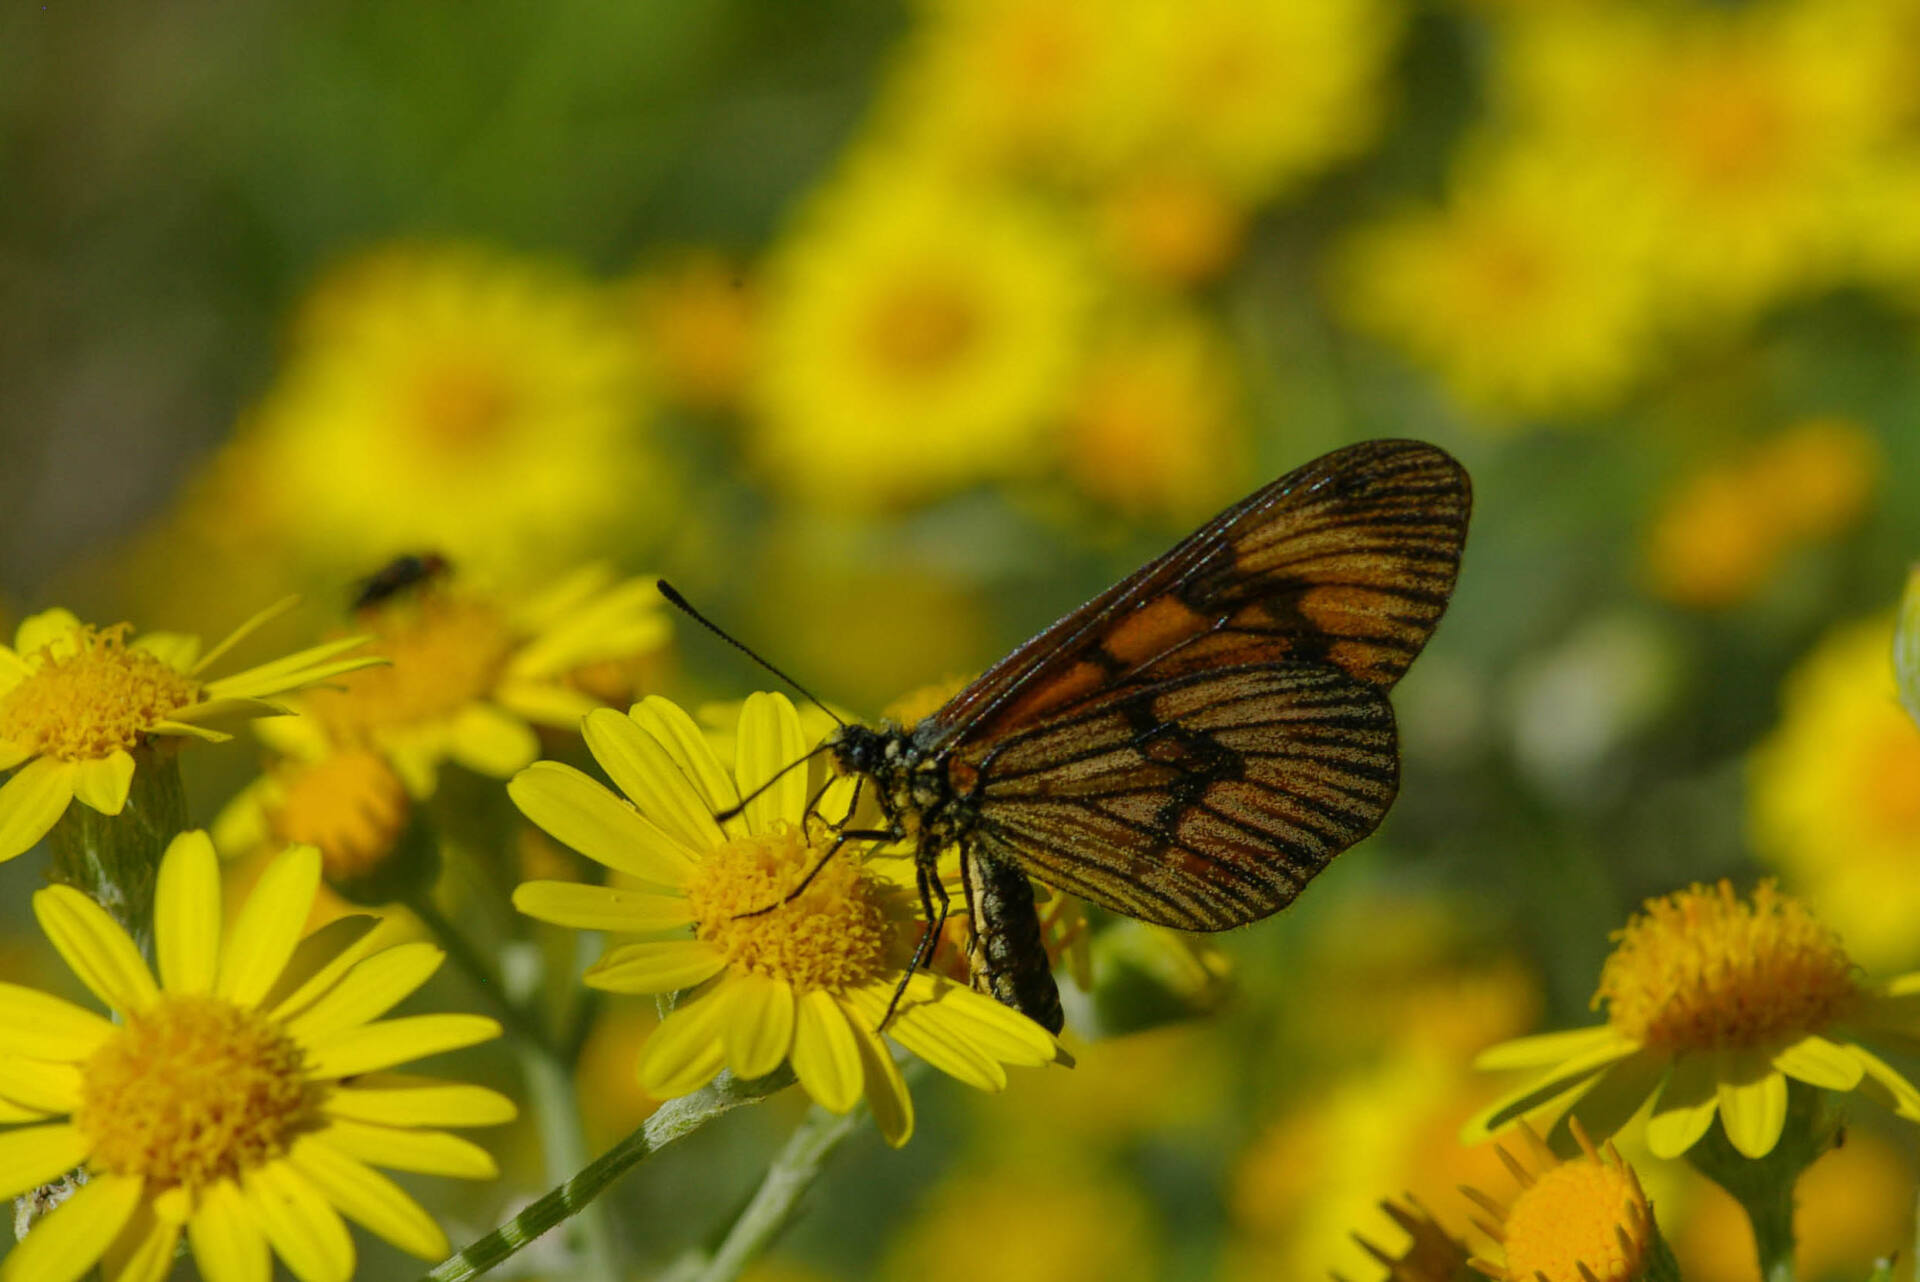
921, 330
1582, 1221
350, 804
834, 934
462, 404
193, 1090
446, 652
1701, 970
1889, 784
84, 702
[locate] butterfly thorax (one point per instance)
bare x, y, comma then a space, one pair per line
914, 789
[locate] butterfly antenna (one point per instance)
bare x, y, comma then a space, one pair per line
681, 603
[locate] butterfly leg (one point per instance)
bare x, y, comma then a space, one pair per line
846, 835
926, 873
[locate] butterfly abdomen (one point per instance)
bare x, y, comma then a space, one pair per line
1009, 959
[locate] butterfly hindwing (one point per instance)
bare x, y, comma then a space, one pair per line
1201, 802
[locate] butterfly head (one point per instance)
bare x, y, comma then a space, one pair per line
909, 781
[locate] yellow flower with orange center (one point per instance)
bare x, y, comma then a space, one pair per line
784, 946
698, 318
1833, 793
78, 701
240, 1100
1581, 1220
471, 675
1712, 1004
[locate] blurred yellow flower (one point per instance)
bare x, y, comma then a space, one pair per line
1256, 95
1525, 294
1850, 1208
456, 398
1028, 1223
348, 803
236, 1099
1153, 424
1585, 1219
1170, 228
1712, 1005
919, 335
473, 673
697, 316
1833, 794
78, 701
782, 954
1737, 133
1719, 535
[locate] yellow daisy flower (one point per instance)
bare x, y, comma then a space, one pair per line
1712, 1005
78, 701
906, 297
774, 977
238, 1099
455, 397
1585, 1219
472, 674
1833, 794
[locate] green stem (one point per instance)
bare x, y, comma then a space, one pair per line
674, 1120
1764, 1186
114, 859
556, 1105
773, 1204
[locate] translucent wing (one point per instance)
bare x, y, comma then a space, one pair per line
1201, 802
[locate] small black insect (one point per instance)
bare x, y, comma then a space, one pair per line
399, 575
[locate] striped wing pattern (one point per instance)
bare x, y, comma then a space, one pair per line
1193, 745
1347, 561
1201, 802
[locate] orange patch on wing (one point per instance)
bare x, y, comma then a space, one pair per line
1080, 679
1340, 609
1152, 629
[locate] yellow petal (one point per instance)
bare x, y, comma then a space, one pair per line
1753, 1106
1685, 1108
569, 903
397, 1099
42, 1026
305, 1230
395, 1041
33, 1155
758, 1030
102, 782
247, 629
641, 768
53, 627
656, 966
406, 1148
1559, 1079
11, 753
687, 1049
32, 802
186, 914
143, 1250
178, 650
1818, 1062
70, 1241
369, 1198
42, 1085
1546, 1048
269, 926
1884, 1083
826, 1058
492, 742
687, 745
96, 948
226, 1238
578, 812
13, 669
544, 703
886, 1090
368, 991
996, 1030
769, 742
1610, 1101
322, 958
293, 672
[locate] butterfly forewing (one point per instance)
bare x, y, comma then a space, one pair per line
1201, 802
1347, 561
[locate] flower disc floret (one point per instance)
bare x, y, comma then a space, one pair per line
835, 934
192, 1090
91, 694
1582, 1220
1700, 970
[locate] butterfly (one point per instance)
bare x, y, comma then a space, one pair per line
1191, 746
